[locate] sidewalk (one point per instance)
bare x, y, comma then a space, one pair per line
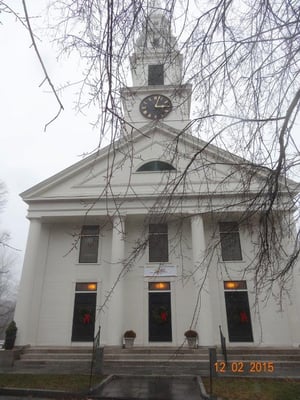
122, 388
166, 388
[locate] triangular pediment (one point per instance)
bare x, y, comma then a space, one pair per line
199, 170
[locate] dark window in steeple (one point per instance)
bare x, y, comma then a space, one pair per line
156, 166
155, 42
156, 74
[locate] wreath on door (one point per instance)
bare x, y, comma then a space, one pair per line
86, 316
160, 315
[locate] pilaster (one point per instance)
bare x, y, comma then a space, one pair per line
25, 316
203, 314
115, 304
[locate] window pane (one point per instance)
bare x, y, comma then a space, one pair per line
158, 228
89, 244
229, 226
159, 286
156, 166
230, 241
156, 74
158, 243
235, 285
90, 230
86, 287
231, 247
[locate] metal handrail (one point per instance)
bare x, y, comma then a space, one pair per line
223, 345
96, 345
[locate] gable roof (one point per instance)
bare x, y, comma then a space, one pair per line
207, 169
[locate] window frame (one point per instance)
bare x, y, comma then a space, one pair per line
86, 234
158, 165
158, 239
230, 241
156, 74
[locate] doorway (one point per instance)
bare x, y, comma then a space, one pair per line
84, 312
238, 312
160, 318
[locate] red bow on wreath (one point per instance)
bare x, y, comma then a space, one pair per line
164, 316
243, 316
87, 318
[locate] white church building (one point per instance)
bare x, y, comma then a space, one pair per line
149, 233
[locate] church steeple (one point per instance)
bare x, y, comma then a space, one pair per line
156, 60
158, 93
156, 34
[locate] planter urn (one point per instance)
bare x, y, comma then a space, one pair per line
192, 337
129, 337
192, 342
128, 342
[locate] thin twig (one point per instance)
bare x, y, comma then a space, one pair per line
61, 107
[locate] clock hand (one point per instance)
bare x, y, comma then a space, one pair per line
157, 105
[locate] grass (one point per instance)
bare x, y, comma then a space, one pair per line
255, 389
227, 388
71, 383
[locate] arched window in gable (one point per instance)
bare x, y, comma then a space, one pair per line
156, 166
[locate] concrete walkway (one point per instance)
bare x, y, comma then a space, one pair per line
156, 388
122, 388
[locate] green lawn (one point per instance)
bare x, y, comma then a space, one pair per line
72, 383
255, 389
227, 388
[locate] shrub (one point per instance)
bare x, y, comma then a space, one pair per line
191, 334
129, 334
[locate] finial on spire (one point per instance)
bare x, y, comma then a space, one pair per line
156, 4
156, 34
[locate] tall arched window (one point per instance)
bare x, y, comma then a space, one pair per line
156, 166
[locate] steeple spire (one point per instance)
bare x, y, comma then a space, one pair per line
156, 34
158, 93
154, 4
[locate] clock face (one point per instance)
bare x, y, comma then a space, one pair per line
155, 106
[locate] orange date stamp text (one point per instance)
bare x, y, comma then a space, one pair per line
240, 367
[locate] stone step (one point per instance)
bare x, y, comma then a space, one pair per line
157, 357
56, 356
196, 357
35, 363
155, 360
60, 350
52, 366
156, 350
172, 361
264, 350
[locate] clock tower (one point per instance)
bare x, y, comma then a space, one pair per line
158, 93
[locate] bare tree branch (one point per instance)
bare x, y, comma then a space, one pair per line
61, 108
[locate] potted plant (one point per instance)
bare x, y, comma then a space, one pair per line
10, 336
192, 337
129, 337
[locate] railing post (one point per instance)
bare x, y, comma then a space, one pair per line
223, 345
212, 370
97, 356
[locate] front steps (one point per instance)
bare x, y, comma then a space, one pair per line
155, 361
264, 362
56, 360
250, 361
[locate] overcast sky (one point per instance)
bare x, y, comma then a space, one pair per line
29, 155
